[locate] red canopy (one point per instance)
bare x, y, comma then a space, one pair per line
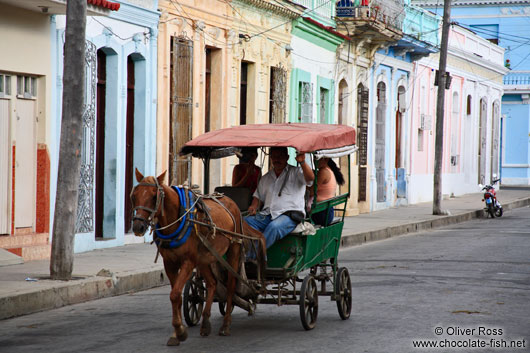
303, 137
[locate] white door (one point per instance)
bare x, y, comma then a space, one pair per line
25, 163
4, 166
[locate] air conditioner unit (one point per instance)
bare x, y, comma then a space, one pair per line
425, 122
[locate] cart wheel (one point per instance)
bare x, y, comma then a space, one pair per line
193, 301
222, 308
343, 293
309, 302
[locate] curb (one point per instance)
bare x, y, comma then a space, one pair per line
57, 295
348, 240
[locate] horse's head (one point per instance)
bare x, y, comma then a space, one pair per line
147, 199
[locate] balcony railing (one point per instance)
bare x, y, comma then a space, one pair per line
322, 11
422, 25
389, 12
517, 78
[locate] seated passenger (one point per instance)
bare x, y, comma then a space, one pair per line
328, 176
246, 173
281, 192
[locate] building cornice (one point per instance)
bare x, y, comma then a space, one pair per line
432, 3
476, 60
274, 7
136, 15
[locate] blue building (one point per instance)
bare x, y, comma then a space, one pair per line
395, 34
507, 24
120, 118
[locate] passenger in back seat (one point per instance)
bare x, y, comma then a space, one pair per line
246, 173
328, 176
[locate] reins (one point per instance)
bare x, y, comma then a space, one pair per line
160, 197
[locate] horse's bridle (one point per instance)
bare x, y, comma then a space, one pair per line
150, 221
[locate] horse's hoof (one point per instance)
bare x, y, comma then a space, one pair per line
183, 336
206, 328
224, 331
173, 341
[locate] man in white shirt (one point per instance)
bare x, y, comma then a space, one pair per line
280, 191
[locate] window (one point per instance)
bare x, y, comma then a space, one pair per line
420, 140
26, 87
5, 85
468, 110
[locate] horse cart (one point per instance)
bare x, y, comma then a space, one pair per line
302, 266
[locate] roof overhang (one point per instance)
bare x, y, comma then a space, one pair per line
58, 7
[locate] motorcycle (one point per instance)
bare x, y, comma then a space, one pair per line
493, 206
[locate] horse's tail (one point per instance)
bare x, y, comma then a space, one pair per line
261, 256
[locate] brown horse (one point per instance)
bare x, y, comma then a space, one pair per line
155, 202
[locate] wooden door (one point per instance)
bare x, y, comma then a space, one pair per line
5, 152
100, 141
25, 163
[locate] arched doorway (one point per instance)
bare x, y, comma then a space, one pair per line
106, 143
380, 145
363, 100
135, 120
495, 138
482, 134
343, 120
401, 191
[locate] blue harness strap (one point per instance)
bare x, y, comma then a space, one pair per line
182, 233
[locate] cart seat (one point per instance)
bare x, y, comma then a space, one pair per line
241, 195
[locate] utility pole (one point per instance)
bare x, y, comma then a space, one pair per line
439, 138
62, 256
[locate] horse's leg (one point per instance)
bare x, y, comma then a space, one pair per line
181, 331
233, 255
209, 278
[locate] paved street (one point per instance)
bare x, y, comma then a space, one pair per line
471, 281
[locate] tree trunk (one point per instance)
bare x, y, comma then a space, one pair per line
62, 256
439, 139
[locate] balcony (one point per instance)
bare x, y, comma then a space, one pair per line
517, 82
379, 21
422, 25
321, 11
420, 33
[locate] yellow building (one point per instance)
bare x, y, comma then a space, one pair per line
221, 63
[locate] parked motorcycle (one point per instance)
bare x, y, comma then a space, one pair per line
493, 206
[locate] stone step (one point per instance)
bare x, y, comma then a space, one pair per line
33, 252
20, 240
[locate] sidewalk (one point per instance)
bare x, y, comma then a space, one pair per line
26, 288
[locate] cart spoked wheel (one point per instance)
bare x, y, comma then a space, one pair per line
222, 308
193, 301
343, 293
309, 302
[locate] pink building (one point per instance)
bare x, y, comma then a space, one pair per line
471, 122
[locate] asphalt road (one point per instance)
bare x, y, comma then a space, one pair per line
462, 286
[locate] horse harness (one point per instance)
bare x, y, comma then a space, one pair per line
187, 215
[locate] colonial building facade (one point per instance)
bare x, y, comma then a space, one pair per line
471, 121
119, 121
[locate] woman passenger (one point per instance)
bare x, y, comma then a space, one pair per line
328, 176
246, 173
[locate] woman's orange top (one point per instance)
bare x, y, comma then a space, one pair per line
326, 191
